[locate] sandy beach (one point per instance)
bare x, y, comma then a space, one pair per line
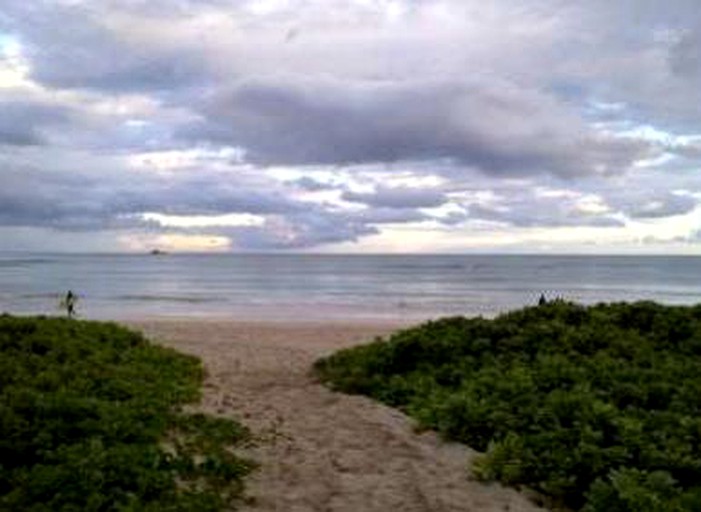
319, 450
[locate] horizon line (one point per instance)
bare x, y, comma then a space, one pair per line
167, 253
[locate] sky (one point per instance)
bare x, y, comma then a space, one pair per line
355, 126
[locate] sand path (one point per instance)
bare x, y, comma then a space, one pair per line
319, 450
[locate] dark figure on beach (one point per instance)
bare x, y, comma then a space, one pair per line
69, 303
542, 301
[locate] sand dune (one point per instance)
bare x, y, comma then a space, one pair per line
319, 450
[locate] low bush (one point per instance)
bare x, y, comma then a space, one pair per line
92, 419
597, 407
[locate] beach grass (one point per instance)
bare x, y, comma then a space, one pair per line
93, 417
596, 407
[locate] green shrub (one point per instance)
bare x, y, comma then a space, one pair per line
91, 419
597, 407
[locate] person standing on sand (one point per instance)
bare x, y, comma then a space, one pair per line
69, 303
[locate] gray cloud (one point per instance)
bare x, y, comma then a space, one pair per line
397, 197
93, 199
653, 205
373, 216
34, 239
91, 123
688, 150
527, 215
497, 127
74, 46
311, 185
299, 231
103, 198
685, 55
23, 123
651, 65
524, 207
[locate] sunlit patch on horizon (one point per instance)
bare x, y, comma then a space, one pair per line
174, 242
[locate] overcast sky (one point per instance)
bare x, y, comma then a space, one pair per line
351, 126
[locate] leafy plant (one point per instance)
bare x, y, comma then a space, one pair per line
597, 407
91, 418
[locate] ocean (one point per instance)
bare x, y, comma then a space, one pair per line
338, 287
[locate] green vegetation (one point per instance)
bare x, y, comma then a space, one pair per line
597, 407
91, 419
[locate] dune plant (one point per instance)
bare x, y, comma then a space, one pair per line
596, 407
92, 418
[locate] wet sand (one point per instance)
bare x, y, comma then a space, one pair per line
319, 450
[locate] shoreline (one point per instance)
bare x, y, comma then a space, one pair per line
275, 315
284, 312
278, 321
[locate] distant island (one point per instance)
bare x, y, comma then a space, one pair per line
157, 252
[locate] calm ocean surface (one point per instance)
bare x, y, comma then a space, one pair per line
338, 287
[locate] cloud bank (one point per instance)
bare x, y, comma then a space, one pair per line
350, 125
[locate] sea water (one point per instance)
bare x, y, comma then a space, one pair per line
317, 287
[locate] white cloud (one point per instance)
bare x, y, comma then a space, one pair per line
204, 221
